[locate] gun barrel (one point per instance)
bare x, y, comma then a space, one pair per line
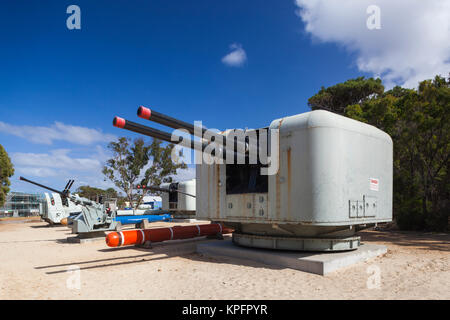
152, 115
158, 134
154, 188
139, 128
146, 113
42, 186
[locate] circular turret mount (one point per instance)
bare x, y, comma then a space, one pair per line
296, 243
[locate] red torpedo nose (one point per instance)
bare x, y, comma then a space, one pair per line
144, 112
119, 122
113, 239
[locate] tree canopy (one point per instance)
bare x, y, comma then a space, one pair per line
92, 192
419, 123
141, 163
336, 98
6, 171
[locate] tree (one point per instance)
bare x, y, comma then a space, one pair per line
92, 192
6, 171
354, 91
130, 165
418, 122
422, 136
111, 193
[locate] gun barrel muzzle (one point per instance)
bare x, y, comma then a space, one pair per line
139, 128
148, 114
161, 135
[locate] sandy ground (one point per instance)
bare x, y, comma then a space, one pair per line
35, 259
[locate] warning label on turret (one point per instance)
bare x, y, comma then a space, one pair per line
374, 184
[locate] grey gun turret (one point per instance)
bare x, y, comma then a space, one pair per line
179, 198
327, 177
171, 188
94, 216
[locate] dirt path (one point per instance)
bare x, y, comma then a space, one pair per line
34, 260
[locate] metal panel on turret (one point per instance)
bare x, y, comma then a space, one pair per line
328, 162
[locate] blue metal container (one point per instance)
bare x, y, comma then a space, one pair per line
138, 219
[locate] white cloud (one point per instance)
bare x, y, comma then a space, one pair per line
56, 159
37, 172
57, 131
236, 57
58, 165
413, 43
184, 174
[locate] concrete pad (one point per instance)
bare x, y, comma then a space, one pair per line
84, 240
87, 237
313, 262
145, 224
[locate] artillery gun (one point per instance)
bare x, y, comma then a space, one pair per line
326, 177
57, 209
94, 218
178, 198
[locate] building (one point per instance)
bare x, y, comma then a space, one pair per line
19, 204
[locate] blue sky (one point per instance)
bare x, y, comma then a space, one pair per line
61, 88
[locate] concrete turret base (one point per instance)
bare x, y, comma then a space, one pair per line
319, 263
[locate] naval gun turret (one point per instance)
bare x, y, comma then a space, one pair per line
327, 177
94, 217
